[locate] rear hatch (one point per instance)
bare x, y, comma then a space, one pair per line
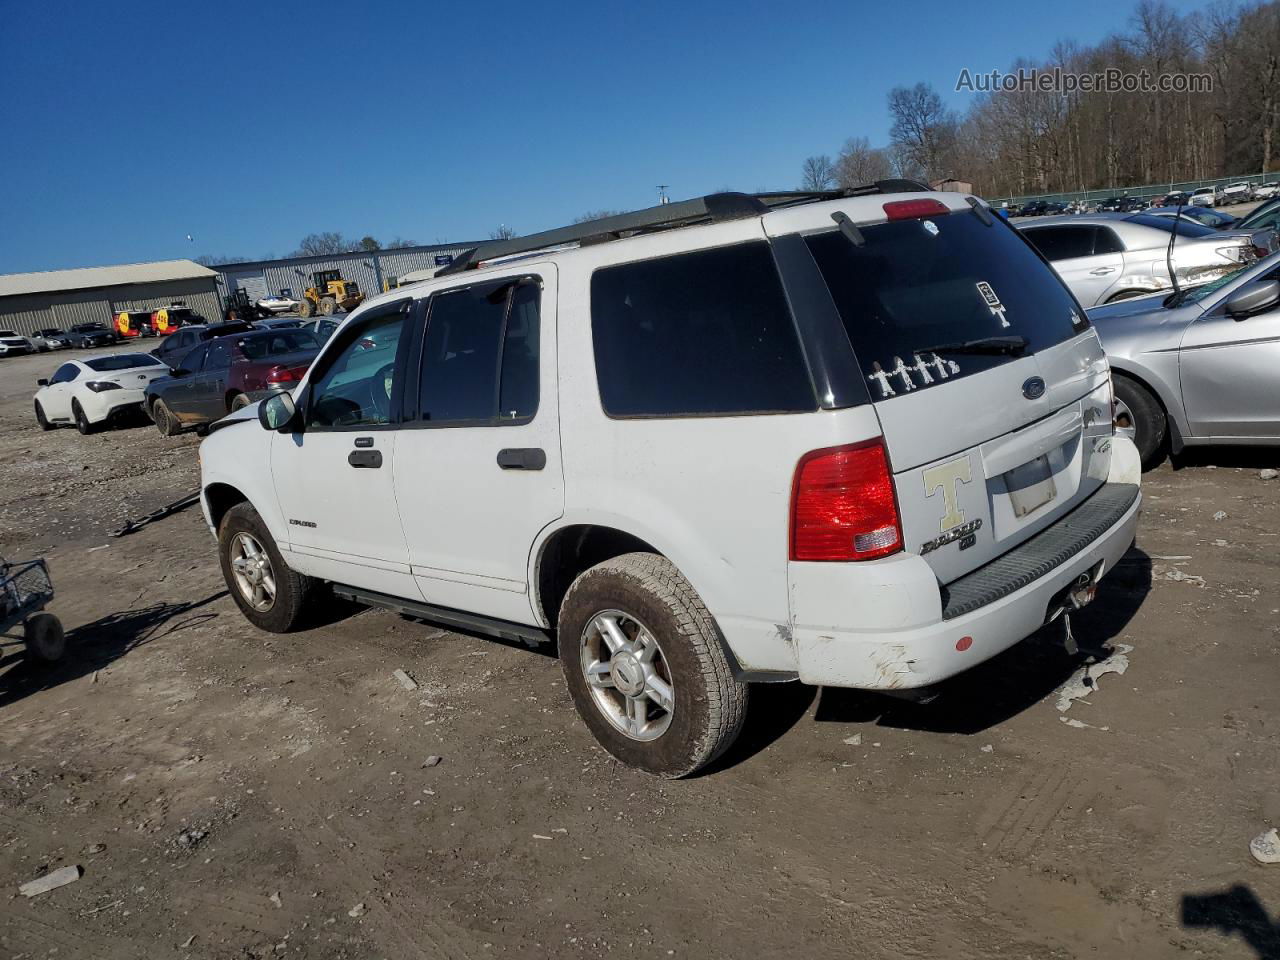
991, 388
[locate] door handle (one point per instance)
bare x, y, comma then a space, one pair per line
1103, 271
522, 458
365, 459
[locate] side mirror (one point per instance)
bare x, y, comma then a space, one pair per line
42, 382
1253, 298
278, 412
178, 372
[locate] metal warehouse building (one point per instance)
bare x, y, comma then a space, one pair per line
60, 298
373, 270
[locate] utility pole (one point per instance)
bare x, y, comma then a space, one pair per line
662, 193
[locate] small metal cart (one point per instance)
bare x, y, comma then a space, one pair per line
25, 589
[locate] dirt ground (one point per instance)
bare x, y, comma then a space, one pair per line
232, 794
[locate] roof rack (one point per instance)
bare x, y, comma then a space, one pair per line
713, 208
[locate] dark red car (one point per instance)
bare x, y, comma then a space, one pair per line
227, 373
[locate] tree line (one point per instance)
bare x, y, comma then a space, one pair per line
1022, 142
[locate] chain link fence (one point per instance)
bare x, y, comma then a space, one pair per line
1141, 192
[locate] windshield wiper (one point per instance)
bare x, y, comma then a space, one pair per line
1012, 346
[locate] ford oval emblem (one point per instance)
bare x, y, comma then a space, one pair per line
1033, 388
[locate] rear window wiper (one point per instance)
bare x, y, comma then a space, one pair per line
1013, 346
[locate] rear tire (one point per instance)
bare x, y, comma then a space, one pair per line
306, 308
82, 422
1150, 423
648, 599
278, 606
328, 306
41, 418
240, 401
1126, 295
166, 422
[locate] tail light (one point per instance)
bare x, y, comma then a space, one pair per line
97, 386
911, 209
279, 374
843, 505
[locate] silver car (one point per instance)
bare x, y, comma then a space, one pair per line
1109, 257
1199, 366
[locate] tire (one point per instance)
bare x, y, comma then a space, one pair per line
43, 637
328, 306
290, 592
1150, 423
166, 422
306, 308
82, 422
239, 402
652, 603
1126, 295
42, 419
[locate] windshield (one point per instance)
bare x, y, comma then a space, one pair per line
919, 284
278, 343
121, 361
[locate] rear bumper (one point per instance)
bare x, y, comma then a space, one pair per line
112, 404
909, 627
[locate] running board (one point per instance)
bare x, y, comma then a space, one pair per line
446, 617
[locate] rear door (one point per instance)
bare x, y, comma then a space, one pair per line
478, 469
986, 448
1088, 271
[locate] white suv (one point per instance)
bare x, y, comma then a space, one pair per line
861, 439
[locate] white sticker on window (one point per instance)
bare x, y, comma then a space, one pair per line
993, 302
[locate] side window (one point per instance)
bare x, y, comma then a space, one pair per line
1106, 241
480, 355
219, 357
355, 388
193, 362
66, 373
1062, 243
699, 334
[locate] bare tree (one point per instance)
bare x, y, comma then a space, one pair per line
503, 232
859, 163
399, 243
214, 260
819, 173
923, 128
323, 244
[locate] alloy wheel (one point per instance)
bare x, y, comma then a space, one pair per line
627, 675
251, 566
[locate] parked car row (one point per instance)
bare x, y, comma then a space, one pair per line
1205, 197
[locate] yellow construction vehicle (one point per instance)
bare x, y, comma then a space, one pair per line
329, 293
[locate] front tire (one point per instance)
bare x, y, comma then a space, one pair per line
166, 422
41, 418
82, 421
645, 664
1151, 425
269, 594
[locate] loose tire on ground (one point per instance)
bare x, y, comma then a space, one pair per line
44, 639
42, 419
709, 705
1150, 423
82, 422
291, 592
166, 422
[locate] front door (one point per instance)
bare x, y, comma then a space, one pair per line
334, 478
180, 397
478, 471
1230, 373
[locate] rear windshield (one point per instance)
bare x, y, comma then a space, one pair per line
1185, 227
121, 361
706, 333
278, 343
917, 285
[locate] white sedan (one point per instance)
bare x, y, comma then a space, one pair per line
92, 391
280, 304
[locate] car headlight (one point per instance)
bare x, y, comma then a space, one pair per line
97, 386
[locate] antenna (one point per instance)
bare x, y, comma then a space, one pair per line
662, 193
1168, 254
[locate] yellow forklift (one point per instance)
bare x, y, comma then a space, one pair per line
329, 293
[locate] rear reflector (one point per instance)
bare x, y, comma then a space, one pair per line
910, 209
843, 505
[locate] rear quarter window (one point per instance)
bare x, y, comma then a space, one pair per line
706, 333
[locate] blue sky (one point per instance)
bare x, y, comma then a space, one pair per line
130, 125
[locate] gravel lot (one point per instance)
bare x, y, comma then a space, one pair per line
231, 794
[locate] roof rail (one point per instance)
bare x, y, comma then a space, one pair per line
713, 208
